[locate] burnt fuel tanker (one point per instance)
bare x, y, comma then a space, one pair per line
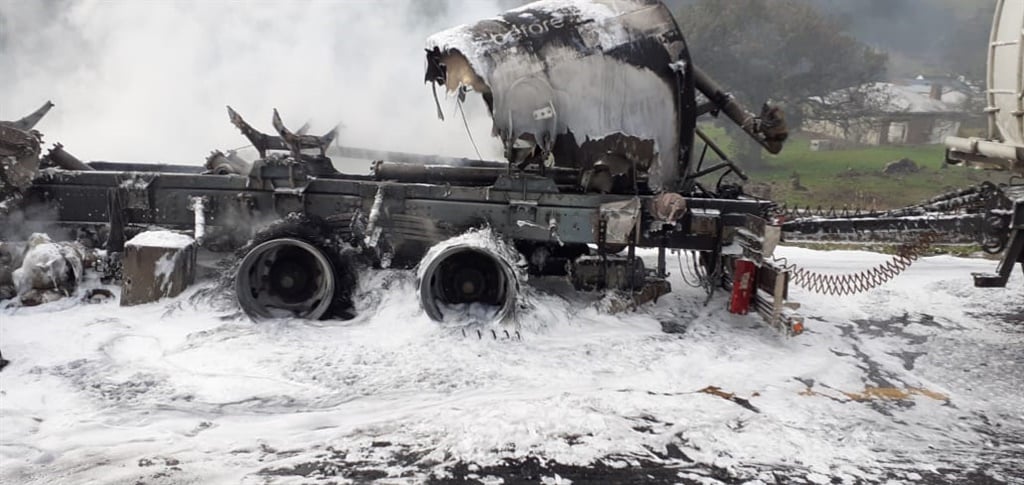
596, 104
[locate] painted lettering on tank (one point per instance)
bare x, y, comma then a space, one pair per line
519, 32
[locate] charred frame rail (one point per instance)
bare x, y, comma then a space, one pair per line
519, 207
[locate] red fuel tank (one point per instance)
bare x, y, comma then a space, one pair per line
743, 286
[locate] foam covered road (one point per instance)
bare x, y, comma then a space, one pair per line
920, 381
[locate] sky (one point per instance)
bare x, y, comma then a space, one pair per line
149, 81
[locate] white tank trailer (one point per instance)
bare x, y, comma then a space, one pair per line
1003, 148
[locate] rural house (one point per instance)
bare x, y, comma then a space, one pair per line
915, 112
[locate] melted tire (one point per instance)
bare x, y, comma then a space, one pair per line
307, 232
465, 275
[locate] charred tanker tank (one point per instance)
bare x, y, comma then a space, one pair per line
554, 74
604, 88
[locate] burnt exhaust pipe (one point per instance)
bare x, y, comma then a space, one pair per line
462, 277
286, 278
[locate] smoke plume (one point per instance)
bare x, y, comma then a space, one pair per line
148, 81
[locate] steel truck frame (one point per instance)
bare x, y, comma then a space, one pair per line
113, 199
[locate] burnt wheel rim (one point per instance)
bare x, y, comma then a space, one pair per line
466, 275
284, 278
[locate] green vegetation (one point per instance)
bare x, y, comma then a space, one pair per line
852, 177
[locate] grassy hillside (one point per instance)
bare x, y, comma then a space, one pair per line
854, 178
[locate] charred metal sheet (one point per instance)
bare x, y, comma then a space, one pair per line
29, 122
229, 163
16, 173
19, 157
705, 222
18, 143
260, 141
288, 200
621, 219
534, 185
287, 140
137, 190
757, 236
297, 142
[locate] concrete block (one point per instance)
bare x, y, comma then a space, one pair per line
157, 264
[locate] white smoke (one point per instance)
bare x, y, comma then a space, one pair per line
148, 81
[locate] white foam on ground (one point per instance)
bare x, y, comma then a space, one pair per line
107, 394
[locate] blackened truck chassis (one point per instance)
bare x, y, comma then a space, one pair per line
525, 208
551, 228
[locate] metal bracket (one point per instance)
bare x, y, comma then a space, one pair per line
758, 238
778, 313
522, 210
621, 219
525, 184
1013, 253
771, 292
136, 192
288, 200
246, 202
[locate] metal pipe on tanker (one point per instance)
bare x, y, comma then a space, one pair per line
1004, 148
736, 112
440, 174
978, 146
411, 158
65, 160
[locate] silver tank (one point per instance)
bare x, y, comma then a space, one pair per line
1006, 71
1004, 146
